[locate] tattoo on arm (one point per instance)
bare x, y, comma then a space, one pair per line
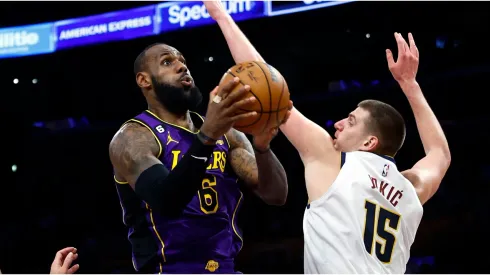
243, 158
133, 150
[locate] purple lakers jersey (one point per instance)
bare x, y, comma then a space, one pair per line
205, 237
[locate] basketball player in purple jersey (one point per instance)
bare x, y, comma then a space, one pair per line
177, 173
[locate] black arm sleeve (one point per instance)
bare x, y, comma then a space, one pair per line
170, 191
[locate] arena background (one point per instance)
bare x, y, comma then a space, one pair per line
62, 193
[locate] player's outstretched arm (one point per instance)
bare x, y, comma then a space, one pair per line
426, 175
133, 152
312, 141
261, 171
240, 47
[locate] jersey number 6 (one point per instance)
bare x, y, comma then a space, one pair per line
384, 224
208, 196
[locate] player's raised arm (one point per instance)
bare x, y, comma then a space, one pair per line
240, 47
312, 141
134, 154
255, 164
242, 50
426, 175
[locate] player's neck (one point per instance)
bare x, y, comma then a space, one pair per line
183, 120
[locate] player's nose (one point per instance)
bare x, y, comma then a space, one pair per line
338, 125
182, 68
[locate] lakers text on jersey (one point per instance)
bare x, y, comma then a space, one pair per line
205, 237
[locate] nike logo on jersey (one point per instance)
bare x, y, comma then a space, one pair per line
201, 158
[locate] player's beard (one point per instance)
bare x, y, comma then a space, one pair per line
177, 100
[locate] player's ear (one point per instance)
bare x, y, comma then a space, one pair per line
370, 143
143, 80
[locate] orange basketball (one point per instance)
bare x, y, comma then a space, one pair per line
270, 89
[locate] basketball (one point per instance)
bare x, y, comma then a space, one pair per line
270, 89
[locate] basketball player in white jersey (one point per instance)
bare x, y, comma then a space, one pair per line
364, 213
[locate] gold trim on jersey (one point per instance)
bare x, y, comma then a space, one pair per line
158, 235
160, 148
120, 182
171, 124
233, 219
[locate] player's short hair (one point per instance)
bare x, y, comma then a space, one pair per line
387, 124
140, 63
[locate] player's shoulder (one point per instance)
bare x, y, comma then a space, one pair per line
131, 130
132, 135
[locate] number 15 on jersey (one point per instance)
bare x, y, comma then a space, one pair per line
382, 223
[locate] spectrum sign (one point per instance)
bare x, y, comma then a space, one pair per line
134, 23
193, 13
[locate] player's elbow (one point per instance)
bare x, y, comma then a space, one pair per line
445, 159
275, 201
276, 197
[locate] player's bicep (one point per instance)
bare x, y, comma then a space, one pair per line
426, 175
133, 150
310, 140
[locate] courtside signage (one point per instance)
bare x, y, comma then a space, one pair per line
26, 40
287, 7
177, 15
114, 26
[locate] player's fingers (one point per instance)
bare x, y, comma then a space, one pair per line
231, 98
58, 260
405, 44
67, 250
240, 104
399, 44
411, 41
389, 57
273, 131
73, 269
213, 93
68, 261
61, 254
228, 87
290, 106
413, 47
244, 115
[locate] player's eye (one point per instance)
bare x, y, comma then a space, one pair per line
166, 62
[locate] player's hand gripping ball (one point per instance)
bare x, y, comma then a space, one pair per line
269, 88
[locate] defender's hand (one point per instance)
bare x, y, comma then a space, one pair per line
404, 70
216, 9
262, 140
223, 108
63, 260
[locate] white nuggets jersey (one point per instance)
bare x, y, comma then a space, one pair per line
366, 222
